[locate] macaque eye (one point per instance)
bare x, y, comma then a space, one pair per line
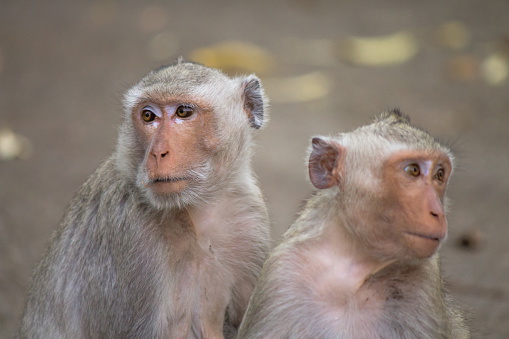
413, 170
184, 111
439, 175
147, 115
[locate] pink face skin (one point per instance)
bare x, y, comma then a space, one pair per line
178, 135
415, 183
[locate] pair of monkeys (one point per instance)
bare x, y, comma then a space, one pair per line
167, 239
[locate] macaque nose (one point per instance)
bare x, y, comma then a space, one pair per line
157, 156
437, 212
434, 205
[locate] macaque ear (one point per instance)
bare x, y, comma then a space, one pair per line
325, 157
254, 101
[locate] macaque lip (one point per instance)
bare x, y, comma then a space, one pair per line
426, 236
167, 180
168, 185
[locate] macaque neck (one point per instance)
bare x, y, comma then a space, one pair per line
347, 262
212, 220
205, 216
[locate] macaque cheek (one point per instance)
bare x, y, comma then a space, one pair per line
385, 227
386, 239
206, 133
207, 137
375, 227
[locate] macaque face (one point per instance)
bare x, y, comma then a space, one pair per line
178, 138
412, 211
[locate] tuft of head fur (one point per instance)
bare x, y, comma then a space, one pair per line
390, 131
392, 116
180, 79
395, 126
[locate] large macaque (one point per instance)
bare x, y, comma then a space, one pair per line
361, 260
166, 239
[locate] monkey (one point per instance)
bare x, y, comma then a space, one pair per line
361, 259
167, 238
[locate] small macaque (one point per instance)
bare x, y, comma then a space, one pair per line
167, 238
361, 259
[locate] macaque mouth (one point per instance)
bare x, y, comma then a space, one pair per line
425, 236
167, 180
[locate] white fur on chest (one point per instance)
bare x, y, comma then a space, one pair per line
194, 299
349, 304
206, 264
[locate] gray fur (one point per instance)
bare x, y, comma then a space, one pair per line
123, 265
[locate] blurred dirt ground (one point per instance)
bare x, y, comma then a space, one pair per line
328, 66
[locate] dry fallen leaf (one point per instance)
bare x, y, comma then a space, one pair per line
495, 69
471, 240
464, 68
13, 146
235, 57
379, 51
303, 88
453, 35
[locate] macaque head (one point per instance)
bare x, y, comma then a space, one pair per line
389, 179
187, 129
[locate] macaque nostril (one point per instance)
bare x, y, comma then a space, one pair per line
434, 214
164, 154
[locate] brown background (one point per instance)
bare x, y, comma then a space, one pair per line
64, 66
